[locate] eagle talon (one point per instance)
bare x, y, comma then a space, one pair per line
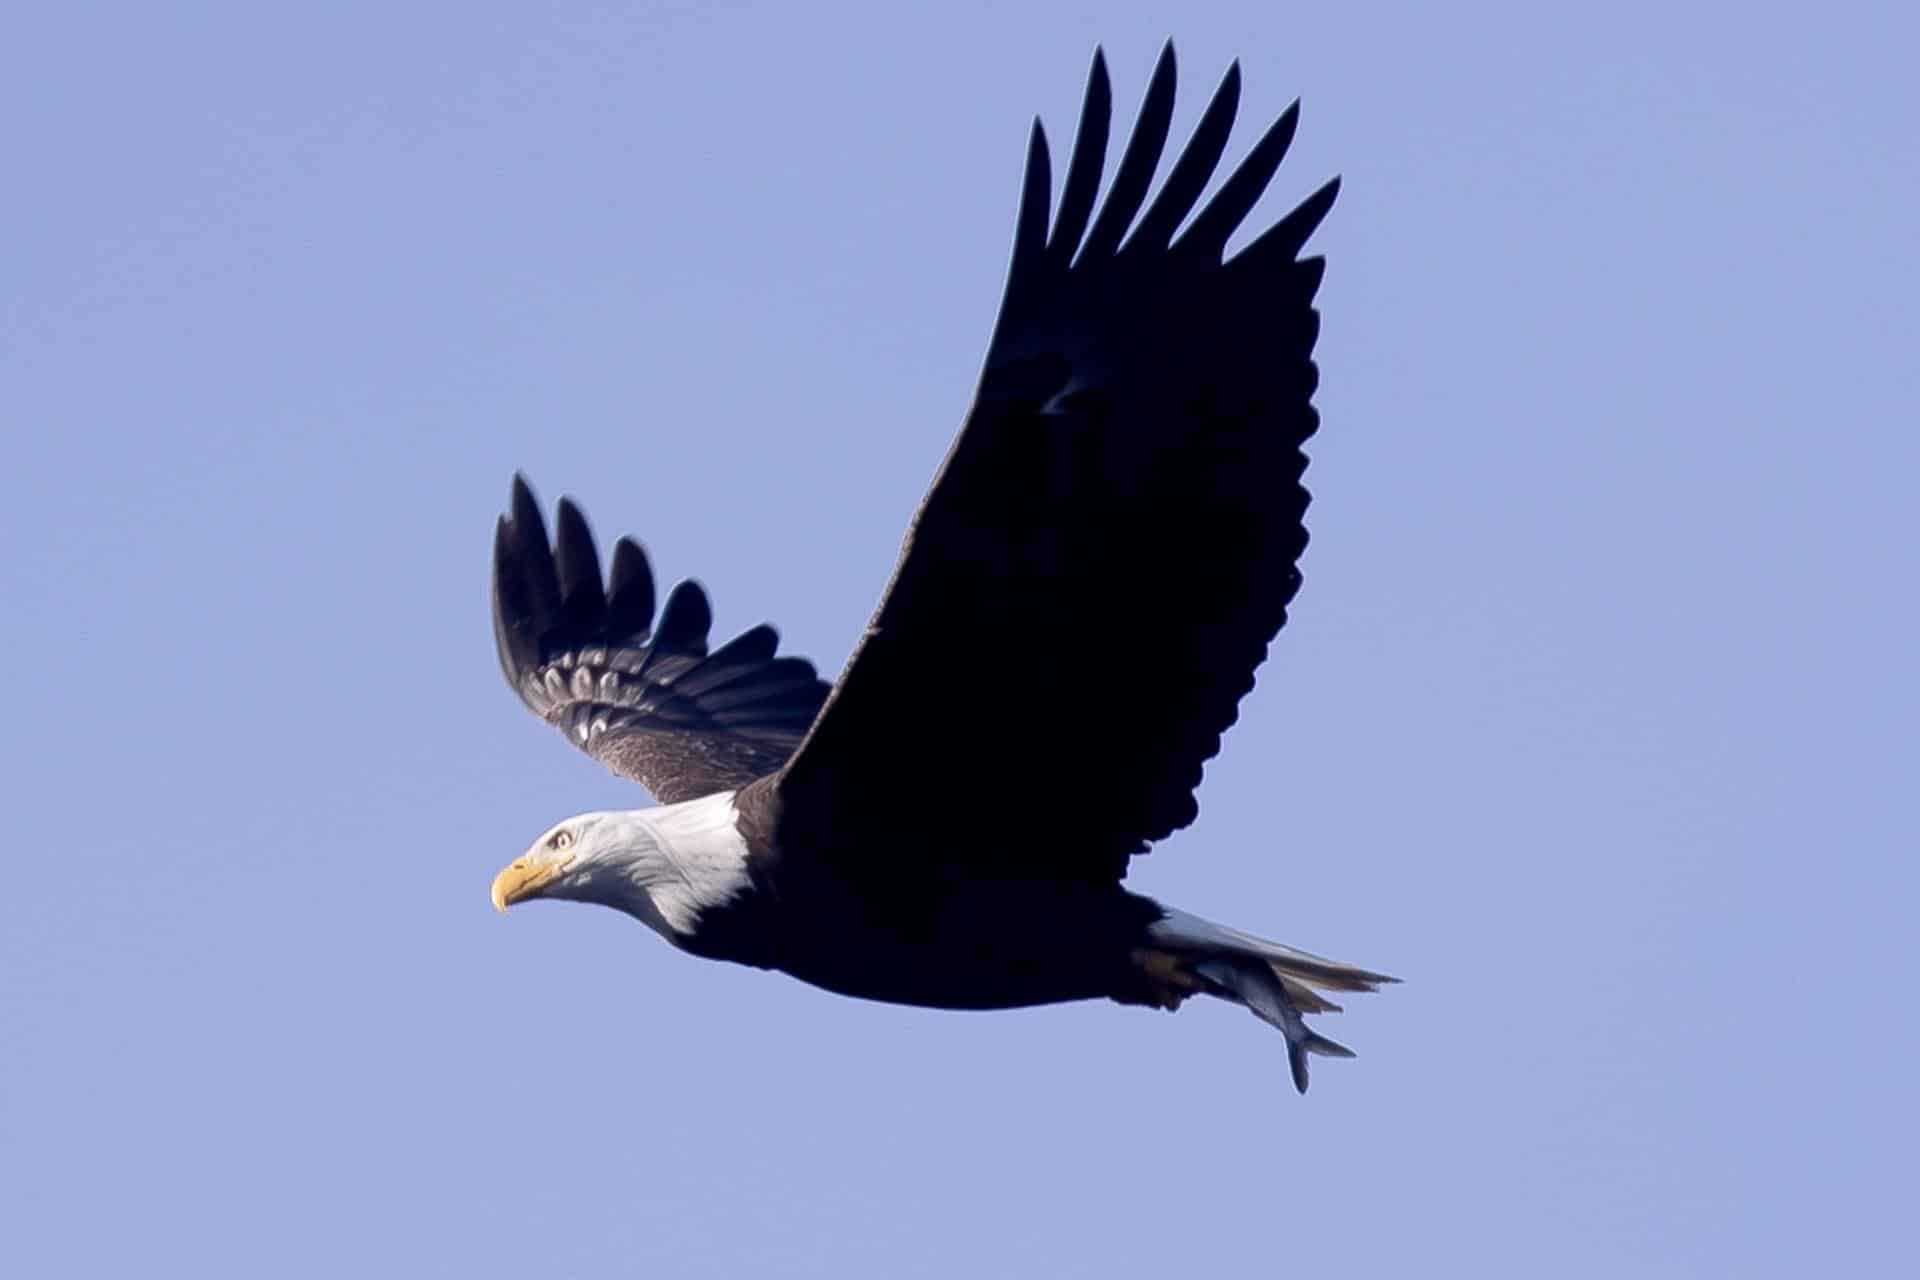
1169, 979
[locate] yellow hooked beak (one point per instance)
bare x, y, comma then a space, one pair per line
523, 878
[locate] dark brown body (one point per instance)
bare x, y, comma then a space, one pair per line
893, 932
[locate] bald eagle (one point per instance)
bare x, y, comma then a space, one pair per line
1078, 608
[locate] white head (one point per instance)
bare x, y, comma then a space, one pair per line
612, 858
664, 866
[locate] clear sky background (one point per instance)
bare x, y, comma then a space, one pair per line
1594, 722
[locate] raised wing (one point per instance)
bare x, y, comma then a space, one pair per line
1102, 559
646, 700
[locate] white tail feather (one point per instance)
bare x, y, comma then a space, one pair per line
1187, 933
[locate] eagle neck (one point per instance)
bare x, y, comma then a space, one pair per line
688, 861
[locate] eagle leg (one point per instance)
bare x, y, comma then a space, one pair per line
1166, 979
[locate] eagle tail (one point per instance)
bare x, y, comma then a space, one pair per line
1275, 982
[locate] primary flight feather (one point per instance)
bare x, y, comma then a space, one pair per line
1080, 604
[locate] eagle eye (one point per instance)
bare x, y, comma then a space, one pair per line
560, 840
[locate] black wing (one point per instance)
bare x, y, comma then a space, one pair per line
647, 701
1096, 572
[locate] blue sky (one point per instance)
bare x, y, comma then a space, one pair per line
1592, 721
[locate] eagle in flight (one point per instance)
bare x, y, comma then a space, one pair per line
1078, 608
